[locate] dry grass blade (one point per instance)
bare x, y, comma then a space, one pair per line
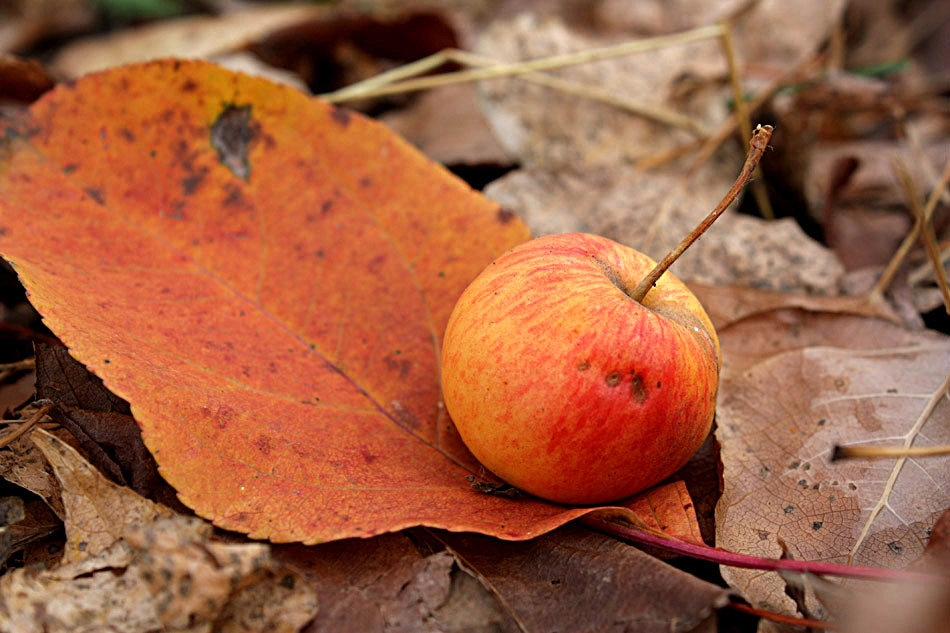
745, 122
887, 452
547, 63
892, 267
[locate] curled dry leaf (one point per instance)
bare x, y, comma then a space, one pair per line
794, 385
131, 565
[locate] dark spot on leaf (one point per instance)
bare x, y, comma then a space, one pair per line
763, 534
340, 116
583, 366
190, 183
263, 444
638, 390
895, 547
127, 134
287, 582
817, 525
235, 197
555, 582
822, 422
107, 361
82, 546
505, 216
70, 168
802, 483
318, 252
96, 194
764, 472
442, 273
613, 379
687, 506
3, 231
366, 182
189, 86
402, 367
852, 487
795, 464
815, 487
326, 206
231, 135
368, 457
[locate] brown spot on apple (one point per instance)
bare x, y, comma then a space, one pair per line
638, 389
613, 379
583, 366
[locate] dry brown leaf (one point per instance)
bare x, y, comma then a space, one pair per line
794, 385
447, 126
384, 585
577, 580
627, 205
192, 37
131, 565
551, 129
97, 510
23, 464
726, 305
166, 575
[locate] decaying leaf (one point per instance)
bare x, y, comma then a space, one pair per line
385, 584
131, 565
100, 421
794, 385
573, 579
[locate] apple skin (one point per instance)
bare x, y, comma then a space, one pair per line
564, 386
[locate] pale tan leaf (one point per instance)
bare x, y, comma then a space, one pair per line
794, 385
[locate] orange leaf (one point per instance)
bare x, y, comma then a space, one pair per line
266, 280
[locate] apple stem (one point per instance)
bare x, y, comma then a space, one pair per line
734, 559
760, 140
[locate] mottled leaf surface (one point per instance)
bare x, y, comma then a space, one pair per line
795, 384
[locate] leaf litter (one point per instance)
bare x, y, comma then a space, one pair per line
807, 323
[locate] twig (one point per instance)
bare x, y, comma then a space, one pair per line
781, 617
733, 559
26, 426
889, 452
877, 293
757, 145
547, 63
27, 333
745, 123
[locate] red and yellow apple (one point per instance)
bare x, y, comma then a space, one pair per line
567, 388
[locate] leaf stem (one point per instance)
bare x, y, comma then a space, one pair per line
781, 617
760, 140
872, 452
733, 559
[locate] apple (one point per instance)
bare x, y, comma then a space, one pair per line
564, 386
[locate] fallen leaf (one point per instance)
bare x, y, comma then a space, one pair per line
726, 305
795, 384
166, 575
97, 511
190, 36
11, 513
644, 210
101, 422
385, 584
23, 464
283, 366
22, 80
576, 580
547, 128
131, 565
447, 126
